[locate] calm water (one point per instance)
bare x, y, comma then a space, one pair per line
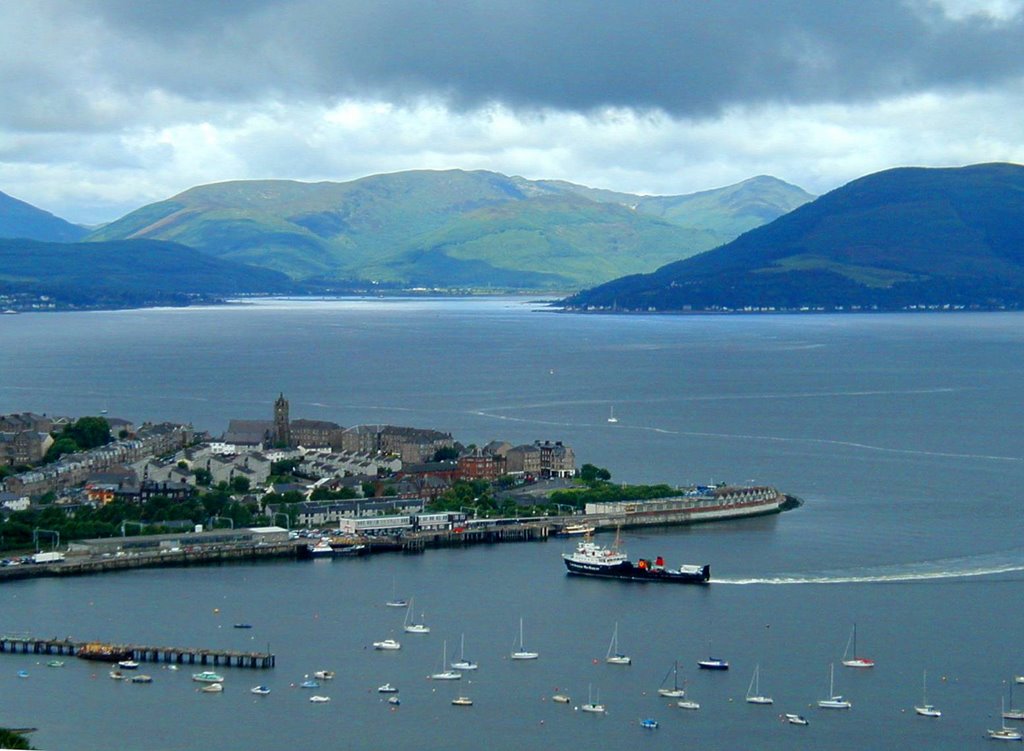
901, 432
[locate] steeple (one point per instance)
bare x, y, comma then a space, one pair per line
282, 426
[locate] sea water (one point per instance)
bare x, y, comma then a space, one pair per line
900, 432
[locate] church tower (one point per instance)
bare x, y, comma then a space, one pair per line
282, 426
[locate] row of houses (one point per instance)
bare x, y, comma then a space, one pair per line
74, 469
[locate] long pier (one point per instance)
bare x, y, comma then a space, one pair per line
137, 652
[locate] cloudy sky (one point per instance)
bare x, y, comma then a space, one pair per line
111, 104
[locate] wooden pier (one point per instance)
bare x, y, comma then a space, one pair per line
139, 653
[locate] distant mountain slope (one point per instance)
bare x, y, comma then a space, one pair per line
131, 271
20, 219
895, 239
446, 228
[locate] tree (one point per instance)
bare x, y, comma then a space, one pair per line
240, 484
89, 432
10, 739
591, 474
204, 477
446, 454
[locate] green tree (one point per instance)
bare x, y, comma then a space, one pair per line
240, 484
203, 477
446, 454
89, 432
10, 739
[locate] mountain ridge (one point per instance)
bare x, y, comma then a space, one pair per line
899, 238
478, 227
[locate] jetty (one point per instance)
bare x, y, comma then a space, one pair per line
107, 652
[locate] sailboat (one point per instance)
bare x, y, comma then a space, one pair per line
614, 656
410, 626
462, 663
521, 653
395, 601
754, 695
446, 674
1013, 713
611, 415
675, 692
1005, 733
591, 705
834, 700
925, 709
850, 659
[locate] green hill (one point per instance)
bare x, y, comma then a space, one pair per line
450, 228
20, 219
901, 238
124, 273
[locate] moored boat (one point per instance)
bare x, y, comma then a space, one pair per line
462, 701
324, 675
614, 656
319, 699
212, 688
649, 722
713, 663
795, 719
128, 665
834, 700
142, 678
754, 695
924, 709
850, 657
521, 652
387, 688
675, 692
207, 676
387, 645
259, 690
561, 699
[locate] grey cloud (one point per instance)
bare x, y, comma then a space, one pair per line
687, 58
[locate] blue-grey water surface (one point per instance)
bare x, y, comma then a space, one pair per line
901, 432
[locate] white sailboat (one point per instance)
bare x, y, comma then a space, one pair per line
1005, 733
834, 700
675, 692
521, 652
410, 626
850, 659
754, 695
614, 656
462, 663
1013, 713
445, 673
592, 706
925, 709
611, 415
395, 601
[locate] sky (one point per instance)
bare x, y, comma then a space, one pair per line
107, 105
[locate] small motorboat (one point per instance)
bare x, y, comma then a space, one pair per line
713, 663
649, 722
259, 690
687, 704
462, 701
324, 675
387, 644
387, 688
561, 699
309, 684
23, 674
55, 664
795, 719
117, 675
394, 700
207, 676
319, 699
128, 665
142, 678
243, 625
212, 688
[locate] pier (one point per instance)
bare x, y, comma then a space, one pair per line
139, 653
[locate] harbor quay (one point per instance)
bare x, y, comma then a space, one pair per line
395, 534
104, 652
